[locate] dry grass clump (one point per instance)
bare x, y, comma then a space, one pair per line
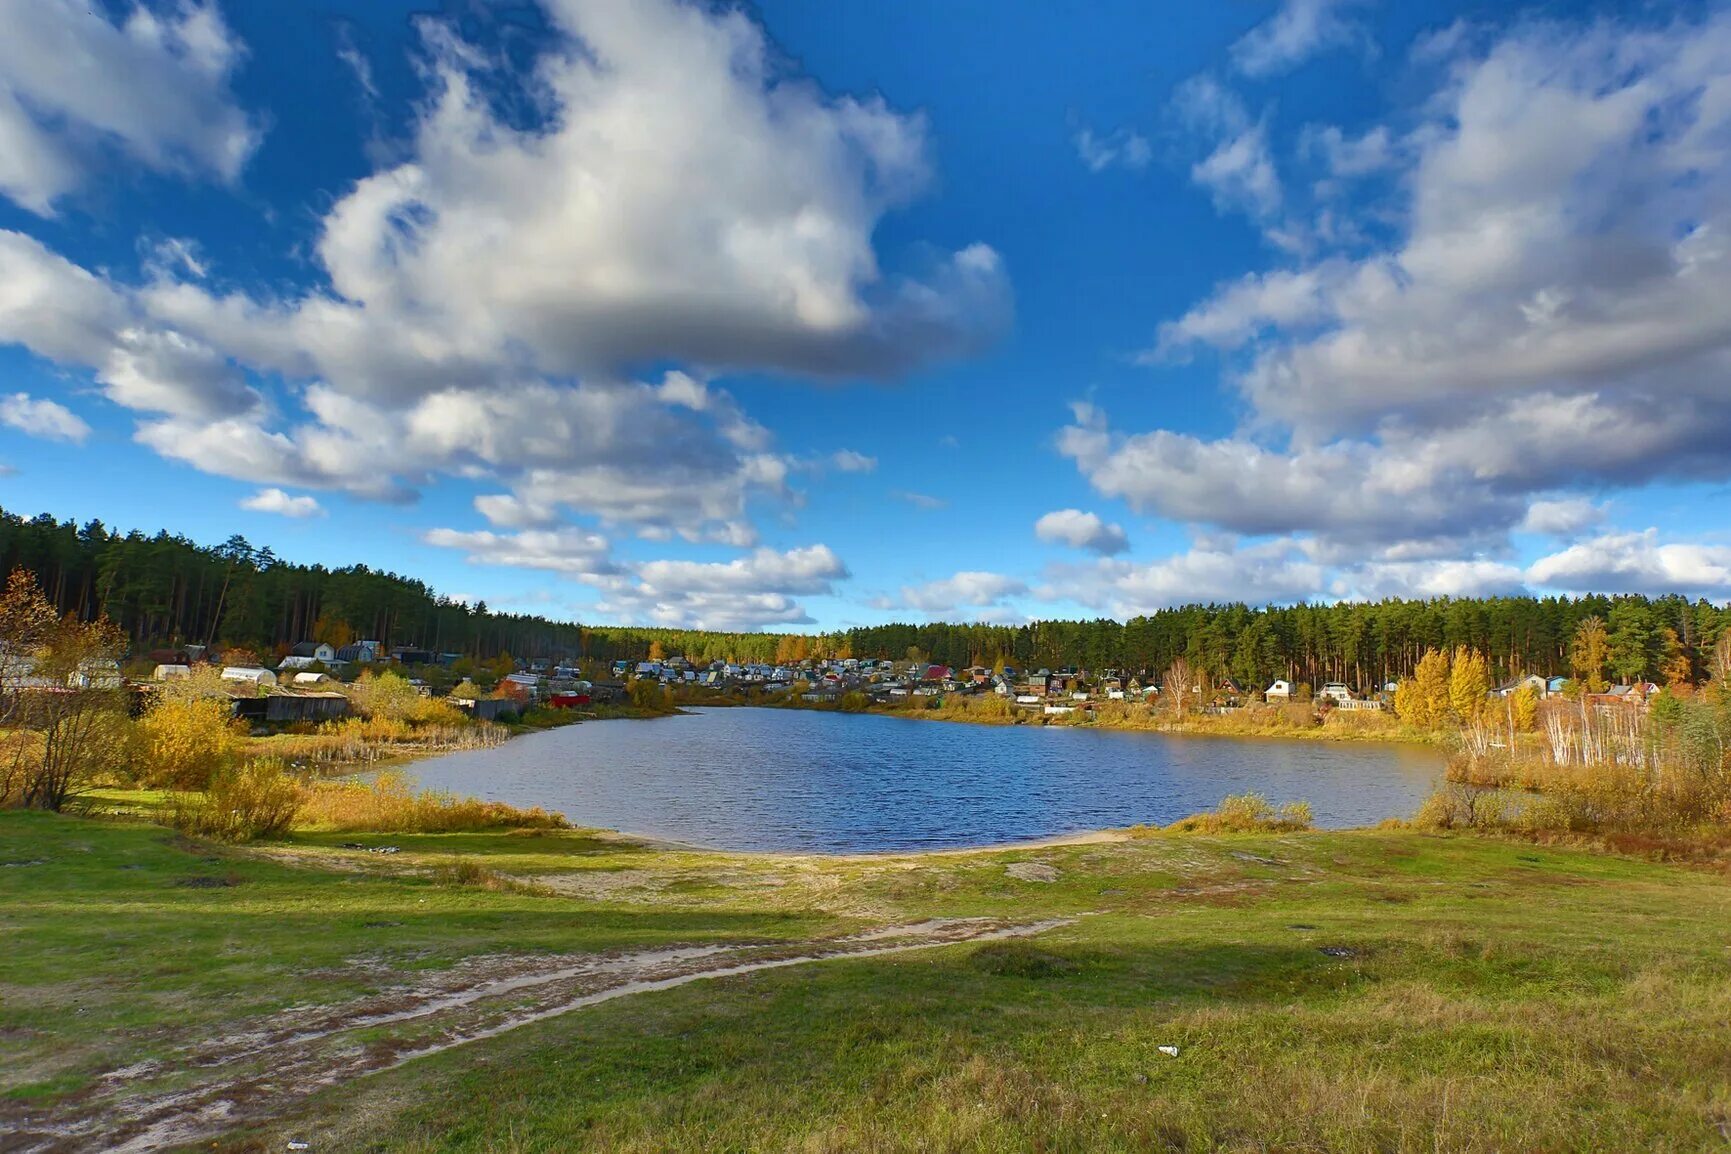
1362, 723
360, 740
258, 799
1247, 813
469, 872
390, 804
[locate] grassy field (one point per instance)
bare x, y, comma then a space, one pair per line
1372, 990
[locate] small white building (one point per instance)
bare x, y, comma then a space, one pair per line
250, 674
313, 651
96, 673
313, 679
1539, 686
1281, 690
171, 672
1337, 692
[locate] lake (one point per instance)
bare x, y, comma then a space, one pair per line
772, 779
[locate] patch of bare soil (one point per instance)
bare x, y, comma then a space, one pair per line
1032, 871
251, 1076
608, 885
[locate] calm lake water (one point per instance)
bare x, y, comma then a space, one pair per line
767, 779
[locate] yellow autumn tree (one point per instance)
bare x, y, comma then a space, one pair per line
333, 631
1524, 706
182, 743
1431, 680
1675, 665
656, 651
1469, 684
388, 696
1588, 653
1409, 704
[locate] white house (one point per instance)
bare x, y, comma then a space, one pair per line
1281, 690
251, 674
1539, 684
1337, 692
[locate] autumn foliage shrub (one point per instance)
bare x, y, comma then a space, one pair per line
258, 799
182, 743
388, 699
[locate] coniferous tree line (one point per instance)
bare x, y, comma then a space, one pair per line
166, 589
1365, 644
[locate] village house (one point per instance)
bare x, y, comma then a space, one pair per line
306, 654
1636, 697
363, 653
1281, 690
1516, 684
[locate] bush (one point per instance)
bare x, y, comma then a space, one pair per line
1248, 813
183, 743
259, 799
388, 697
647, 695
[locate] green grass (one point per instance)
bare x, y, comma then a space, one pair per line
1373, 990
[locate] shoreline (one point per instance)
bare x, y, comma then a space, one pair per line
1191, 728
1050, 841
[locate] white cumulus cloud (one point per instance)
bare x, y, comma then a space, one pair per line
1637, 563
1081, 530
49, 420
1525, 309
75, 86
283, 504
968, 592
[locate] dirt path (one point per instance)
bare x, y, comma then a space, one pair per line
252, 1076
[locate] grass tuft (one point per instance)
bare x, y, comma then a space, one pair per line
1017, 959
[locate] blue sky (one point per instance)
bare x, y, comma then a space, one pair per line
803, 316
